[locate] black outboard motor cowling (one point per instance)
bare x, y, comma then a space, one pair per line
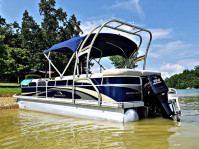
156, 97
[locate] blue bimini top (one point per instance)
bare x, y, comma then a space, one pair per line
70, 44
106, 44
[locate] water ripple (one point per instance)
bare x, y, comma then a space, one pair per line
27, 129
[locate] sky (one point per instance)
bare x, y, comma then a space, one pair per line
173, 23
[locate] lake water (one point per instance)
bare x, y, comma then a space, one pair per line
27, 129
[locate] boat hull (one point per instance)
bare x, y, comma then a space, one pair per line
82, 111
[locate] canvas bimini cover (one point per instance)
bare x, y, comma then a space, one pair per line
105, 45
70, 44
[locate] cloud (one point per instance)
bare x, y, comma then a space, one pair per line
182, 55
161, 33
157, 33
169, 69
169, 49
157, 51
189, 51
172, 67
165, 75
185, 53
88, 26
189, 62
131, 5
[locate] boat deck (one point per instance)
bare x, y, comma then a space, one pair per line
122, 105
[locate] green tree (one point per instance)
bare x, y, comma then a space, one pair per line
118, 61
18, 62
3, 55
32, 39
56, 29
187, 79
11, 32
121, 62
73, 27
2, 21
31, 34
55, 25
51, 22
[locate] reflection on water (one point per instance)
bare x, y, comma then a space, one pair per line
188, 92
27, 129
31, 129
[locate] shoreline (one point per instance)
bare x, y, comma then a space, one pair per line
8, 103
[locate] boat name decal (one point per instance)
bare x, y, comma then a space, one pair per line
130, 93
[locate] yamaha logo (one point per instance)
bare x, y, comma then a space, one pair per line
156, 81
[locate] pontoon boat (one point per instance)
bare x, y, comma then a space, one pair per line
121, 94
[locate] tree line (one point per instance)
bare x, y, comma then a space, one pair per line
22, 45
187, 79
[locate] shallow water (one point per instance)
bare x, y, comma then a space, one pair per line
27, 129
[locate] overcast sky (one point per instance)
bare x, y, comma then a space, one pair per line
173, 23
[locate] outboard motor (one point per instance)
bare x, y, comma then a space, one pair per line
156, 97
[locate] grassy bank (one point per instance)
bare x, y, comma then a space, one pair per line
9, 85
9, 89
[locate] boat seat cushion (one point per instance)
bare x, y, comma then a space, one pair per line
115, 72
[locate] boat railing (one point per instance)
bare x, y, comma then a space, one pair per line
98, 102
173, 98
135, 32
86, 49
94, 86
